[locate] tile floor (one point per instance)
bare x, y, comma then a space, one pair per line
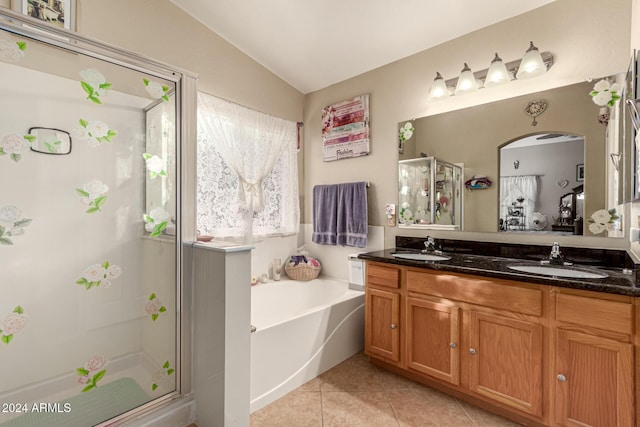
357, 393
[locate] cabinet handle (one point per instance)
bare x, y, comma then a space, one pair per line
393, 326
453, 345
561, 378
472, 351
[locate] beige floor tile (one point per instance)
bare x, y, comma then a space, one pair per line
391, 381
296, 409
427, 407
354, 374
483, 418
361, 409
311, 385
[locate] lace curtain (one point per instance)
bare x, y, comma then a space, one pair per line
512, 187
247, 172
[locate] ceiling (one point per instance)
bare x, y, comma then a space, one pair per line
314, 44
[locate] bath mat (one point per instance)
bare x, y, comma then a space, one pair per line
87, 409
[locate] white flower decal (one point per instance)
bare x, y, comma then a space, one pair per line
94, 84
92, 372
93, 131
154, 307
13, 324
156, 90
156, 221
12, 223
12, 51
603, 220
161, 375
99, 275
15, 146
93, 194
155, 165
406, 131
605, 93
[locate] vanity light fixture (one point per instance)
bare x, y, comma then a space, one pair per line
532, 64
439, 88
466, 82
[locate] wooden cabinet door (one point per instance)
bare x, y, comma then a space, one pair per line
382, 324
505, 361
433, 339
594, 381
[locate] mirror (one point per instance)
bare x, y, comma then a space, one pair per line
50, 141
474, 137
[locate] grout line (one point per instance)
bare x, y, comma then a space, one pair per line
384, 390
466, 413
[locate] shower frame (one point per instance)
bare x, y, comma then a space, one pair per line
186, 108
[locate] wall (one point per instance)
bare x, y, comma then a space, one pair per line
634, 211
572, 30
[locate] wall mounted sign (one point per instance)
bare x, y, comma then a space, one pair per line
345, 129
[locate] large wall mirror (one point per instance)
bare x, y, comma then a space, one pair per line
555, 158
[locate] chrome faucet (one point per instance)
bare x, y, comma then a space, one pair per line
555, 257
429, 244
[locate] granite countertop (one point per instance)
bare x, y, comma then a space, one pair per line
617, 282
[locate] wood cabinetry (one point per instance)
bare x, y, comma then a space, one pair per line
594, 382
382, 313
539, 354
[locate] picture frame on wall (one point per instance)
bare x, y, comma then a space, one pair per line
345, 129
580, 172
61, 13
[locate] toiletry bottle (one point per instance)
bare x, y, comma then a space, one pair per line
277, 268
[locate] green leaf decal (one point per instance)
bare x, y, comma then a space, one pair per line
105, 265
15, 157
166, 364
154, 387
2, 229
92, 210
6, 338
94, 99
170, 371
87, 88
29, 138
2, 151
22, 45
99, 201
152, 296
165, 98
162, 309
146, 82
154, 317
22, 223
157, 230
105, 86
147, 218
50, 148
97, 377
83, 123
18, 310
88, 388
5, 241
82, 372
146, 156
81, 192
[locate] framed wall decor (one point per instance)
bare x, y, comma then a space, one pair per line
580, 172
61, 13
345, 129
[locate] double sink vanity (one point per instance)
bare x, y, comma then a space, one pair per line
539, 336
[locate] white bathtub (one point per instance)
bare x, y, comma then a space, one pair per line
302, 330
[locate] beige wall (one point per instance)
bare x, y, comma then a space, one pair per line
588, 38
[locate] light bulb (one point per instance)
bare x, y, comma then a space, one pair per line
497, 73
466, 82
532, 64
439, 88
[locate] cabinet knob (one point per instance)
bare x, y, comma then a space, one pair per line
472, 351
453, 345
393, 326
561, 378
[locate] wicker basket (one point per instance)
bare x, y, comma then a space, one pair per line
302, 271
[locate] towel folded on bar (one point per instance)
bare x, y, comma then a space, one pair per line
340, 214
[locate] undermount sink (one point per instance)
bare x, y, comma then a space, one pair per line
558, 271
420, 257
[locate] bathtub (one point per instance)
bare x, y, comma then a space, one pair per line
302, 330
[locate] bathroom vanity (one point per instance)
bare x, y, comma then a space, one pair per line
538, 349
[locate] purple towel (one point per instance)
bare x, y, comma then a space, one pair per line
325, 202
352, 223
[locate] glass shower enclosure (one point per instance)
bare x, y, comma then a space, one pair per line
90, 226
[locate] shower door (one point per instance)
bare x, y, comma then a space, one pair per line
89, 231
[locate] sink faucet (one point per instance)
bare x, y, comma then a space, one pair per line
430, 245
555, 257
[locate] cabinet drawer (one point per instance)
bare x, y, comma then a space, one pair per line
602, 314
380, 275
494, 293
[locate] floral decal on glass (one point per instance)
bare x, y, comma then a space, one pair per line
406, 132
161, 375
154, 307
93, 131
156, 90
14, 146
603, 220
94, 84
156, 221
604, 93
99, 275
12, 51
92, 372
92, 194
11, 223
155, 165
13, 324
